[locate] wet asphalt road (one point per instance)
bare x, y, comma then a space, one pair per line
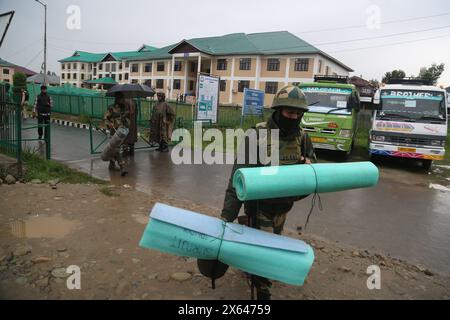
401, 216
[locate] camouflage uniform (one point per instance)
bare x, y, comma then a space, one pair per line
117, 116
161, 123
270, 214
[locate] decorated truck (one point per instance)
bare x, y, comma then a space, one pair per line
331, 121
410, 121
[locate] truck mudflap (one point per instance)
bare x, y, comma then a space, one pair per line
406, 152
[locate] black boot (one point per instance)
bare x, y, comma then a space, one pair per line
112, 166
263, 294
163, 147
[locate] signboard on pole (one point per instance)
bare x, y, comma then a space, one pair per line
253, 103
207, 98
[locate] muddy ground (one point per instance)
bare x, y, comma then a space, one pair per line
98, 229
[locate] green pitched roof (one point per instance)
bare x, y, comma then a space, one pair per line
105, 80
265, 43
6, 63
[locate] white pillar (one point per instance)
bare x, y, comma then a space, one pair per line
231, 81
171, 79
199, 67
210, 66
258, 72
286, 76
185, 75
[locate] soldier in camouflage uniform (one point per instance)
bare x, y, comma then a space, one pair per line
295, 147
117, 116
161, 123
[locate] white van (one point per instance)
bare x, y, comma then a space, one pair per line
409, 121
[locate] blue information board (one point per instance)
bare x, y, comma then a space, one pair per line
253, 103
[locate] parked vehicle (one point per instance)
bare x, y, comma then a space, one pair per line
331, 121
410, 121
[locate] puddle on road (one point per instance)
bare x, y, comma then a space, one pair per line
42, 227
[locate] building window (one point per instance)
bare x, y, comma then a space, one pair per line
177, 66
120, 65
301, 65
193, 67
63, 66
134, 67
95, 72
242, 84
82, 66
191, 85
148, 83
320, 66
113, 76
107, 67
75, 65
223, 85
120, 77
68, 76
5, 71
127, 64
160, 67
176, 84
327, 70
159, 84
148, 67
222, 64
100, 66
113, 67
271, 87
90, 77
74, 75
273, 64
100, 76
134, 81
82, 76
126, 76
62, 76
245, 64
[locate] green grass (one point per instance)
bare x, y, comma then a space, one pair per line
45, 170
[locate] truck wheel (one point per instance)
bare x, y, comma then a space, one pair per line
426, 164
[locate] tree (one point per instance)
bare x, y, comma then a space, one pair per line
395, 74
19, 83
432, 73
375, 83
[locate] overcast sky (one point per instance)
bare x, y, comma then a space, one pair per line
113, 25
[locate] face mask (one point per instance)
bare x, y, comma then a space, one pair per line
287, 125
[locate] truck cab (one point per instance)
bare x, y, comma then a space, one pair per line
410, 121
331, 121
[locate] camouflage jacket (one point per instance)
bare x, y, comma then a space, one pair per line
117, 116
291, 150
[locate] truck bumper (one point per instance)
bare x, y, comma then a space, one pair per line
427, 153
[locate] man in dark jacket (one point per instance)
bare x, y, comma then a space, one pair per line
42, 107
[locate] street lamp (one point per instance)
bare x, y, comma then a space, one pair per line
45, 41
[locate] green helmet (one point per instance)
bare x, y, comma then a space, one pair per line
290, 96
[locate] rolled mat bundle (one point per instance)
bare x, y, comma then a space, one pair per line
190, 234
111, 148
298, 180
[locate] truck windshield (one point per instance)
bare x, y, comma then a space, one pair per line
414, 105
328, 100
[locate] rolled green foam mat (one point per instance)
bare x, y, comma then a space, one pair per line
303, 179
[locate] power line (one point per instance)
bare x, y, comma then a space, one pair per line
391, 44
381, 23
22, 49
383, 36
34, 58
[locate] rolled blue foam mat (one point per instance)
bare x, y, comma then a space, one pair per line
303, 179
190, 234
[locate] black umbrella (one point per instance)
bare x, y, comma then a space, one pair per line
132, 90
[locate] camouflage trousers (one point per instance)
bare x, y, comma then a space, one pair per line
272, 224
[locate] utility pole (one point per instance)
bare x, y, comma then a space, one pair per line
45, 41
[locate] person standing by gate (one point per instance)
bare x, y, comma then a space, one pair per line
42, 107
161, 123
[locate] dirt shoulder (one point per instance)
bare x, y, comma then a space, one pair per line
98, 229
